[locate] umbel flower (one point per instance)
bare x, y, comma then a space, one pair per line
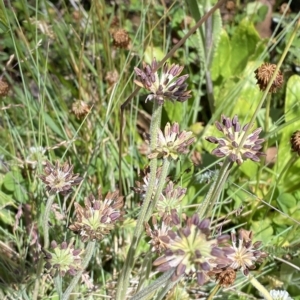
63, 258
170, 200
264, 74
98, 217
190, 251
230, 143
295, 142
167, 86
243, 253
172, 142
80, 109
59, 178
280, 295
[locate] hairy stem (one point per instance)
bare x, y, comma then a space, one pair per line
123, 281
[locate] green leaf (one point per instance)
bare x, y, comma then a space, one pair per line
222, 58
263, 230
244, 44
286, 201
11, 180
292, 115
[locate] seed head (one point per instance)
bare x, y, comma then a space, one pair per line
190, 251
295, 142
63, 258
229, 145
226, 277
59, 179
243, 253
80, 109
167, 86
112, 77
121, 38
264, 74
4, 87
97, 218
172, 142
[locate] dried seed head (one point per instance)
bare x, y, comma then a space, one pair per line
121, 39
226, 277
4, 87
80, 109
172, 142
112, 77
285, 8
59, 179
63, 258
264, 74
191, 251
295, 142
98, 217
229, 145
230, 5
167, 86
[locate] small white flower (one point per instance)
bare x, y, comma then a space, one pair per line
280, 295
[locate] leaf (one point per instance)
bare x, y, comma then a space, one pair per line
263, 230
11, 180
222, 58
244, 43
286, 201
291, 112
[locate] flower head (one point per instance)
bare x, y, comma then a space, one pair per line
243, 253
280, 295
98, 217
164, 87
170, 200
264, 74
171, 143
36, 154
159, 235
295, 142
63, 259
229, 145
226, 277
59, 178
121, 38
190, 250
80, 109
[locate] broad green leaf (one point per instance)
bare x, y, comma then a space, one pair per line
12, 180
286, 201
263, 230
291, 113
244, 44
222, 58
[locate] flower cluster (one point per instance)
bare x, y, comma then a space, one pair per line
63, 259
166, 86
172, 142
98, 217
59, 178
190, 249
230, 144
280, 295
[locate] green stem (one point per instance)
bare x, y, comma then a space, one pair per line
46, 245
259, 287
167, 288
88, 255
213, 292
214, 192
124, 277
153, 286
46, 220
57, 284
285, 52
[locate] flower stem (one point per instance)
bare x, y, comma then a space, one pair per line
123, 281
88, 255
46, 221
46, 245
213, 292
260, 287
159, 282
